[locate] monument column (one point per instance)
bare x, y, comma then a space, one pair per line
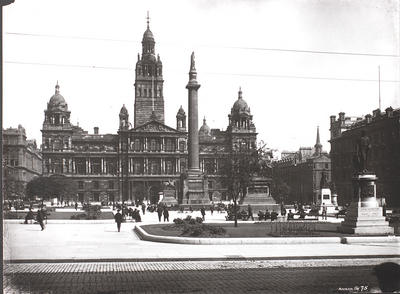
196, 188
193, 87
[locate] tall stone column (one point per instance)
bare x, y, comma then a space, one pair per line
195, 184
193, 147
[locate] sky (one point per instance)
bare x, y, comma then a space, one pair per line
298, 62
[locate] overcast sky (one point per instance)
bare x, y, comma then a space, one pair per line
91, 48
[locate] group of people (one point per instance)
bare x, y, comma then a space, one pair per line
273, 215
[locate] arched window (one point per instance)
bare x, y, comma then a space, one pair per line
153, 145
137, 145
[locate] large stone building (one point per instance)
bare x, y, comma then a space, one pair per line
383, 129
22, 162
302, 172
135, 163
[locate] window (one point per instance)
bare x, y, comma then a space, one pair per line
80, 196
96, 196
96, 184
153, 145
210, 184
80, 185
182, 146
111, 185
169, 167
326, 165
169, 145
137, 145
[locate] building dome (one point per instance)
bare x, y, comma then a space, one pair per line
57, 101
123, 111
181, 112
240, 106
204, 129
148, 36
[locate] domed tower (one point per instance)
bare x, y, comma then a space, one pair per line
123, 118
181, 120
241, 126
56, 133
148, 82
205, 130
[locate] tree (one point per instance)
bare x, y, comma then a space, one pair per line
241, 164
56, 186
280, 190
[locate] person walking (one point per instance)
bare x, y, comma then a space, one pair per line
76, 206
159, 212
212, 209
143, 208
203, 213
250, 212
118, 219
324, 212
166, 214
40, 218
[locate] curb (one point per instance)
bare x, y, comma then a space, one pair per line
269, 240
394, 257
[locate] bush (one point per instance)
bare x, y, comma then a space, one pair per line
202, 229
199, 220
178, 221
188, 218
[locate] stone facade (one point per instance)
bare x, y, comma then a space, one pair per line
383, 129
22, 161
136, 162
302, 172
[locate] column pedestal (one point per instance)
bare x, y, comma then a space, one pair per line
197, 189
364, 216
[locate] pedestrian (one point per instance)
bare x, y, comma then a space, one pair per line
40, 218
274, 215
203, 213
191, 209
166, 214
29, 215
212, 209
290, 215
118, 219
76, 205
143, 208
250, 212
159, 212
324, 211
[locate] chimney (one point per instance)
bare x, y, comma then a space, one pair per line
96, 130
376, 113
368, 118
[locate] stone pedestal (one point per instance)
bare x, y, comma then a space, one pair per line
325, 199
169, 197
259, 196
364, 216
197, 192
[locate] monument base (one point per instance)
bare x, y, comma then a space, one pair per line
197, 193
169, 198
258, 196
364, 216
365, 221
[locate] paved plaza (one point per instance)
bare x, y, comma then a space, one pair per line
92, 257
188, 277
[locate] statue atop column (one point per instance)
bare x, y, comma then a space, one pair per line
192, 62
362, 150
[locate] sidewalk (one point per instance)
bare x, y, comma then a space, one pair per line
71, 241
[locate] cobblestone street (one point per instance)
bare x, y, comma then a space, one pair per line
184, 277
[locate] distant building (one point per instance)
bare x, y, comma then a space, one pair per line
135, 162
302, 172
384, 155
22, 162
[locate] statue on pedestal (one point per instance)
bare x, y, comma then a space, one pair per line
362, 149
